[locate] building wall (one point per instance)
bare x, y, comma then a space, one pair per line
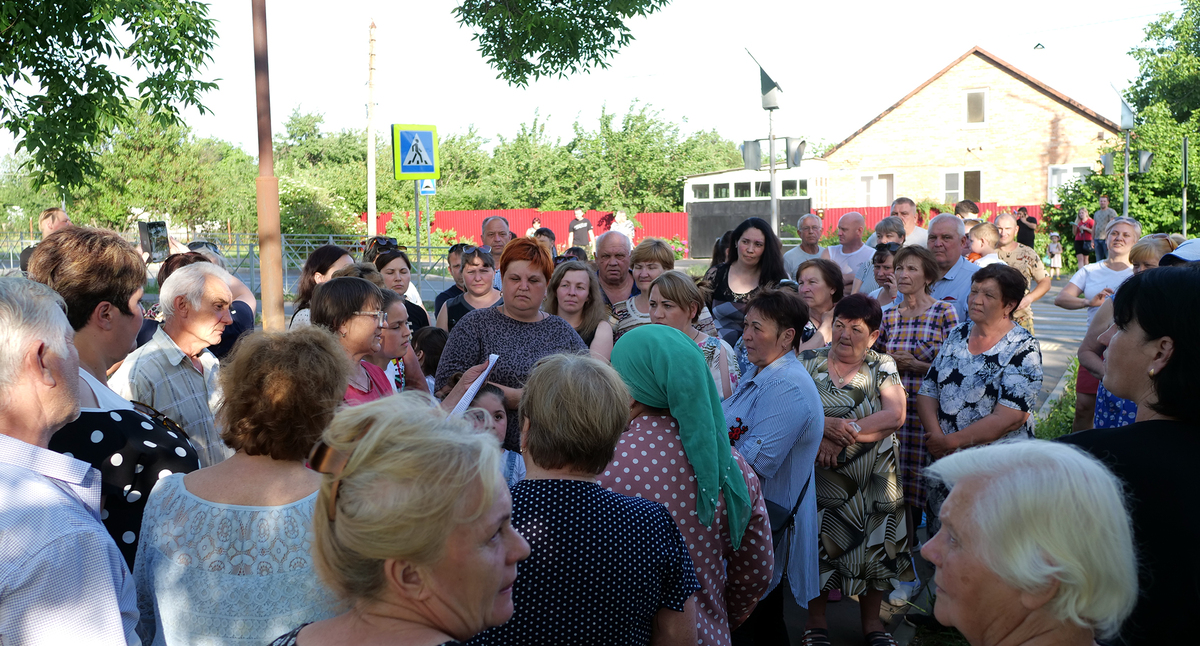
1026, 131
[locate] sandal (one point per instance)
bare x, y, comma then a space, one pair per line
880, 638
815, 637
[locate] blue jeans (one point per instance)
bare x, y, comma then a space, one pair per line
1101, 250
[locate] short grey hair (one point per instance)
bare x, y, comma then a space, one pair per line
483, 227
893, 224
1137, 226
1006, 215
1051, 512
189, 282
800, 222
604, 236
950, 217
29, 311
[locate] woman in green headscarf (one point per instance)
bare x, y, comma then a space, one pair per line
676, 451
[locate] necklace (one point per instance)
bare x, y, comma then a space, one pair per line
839, 379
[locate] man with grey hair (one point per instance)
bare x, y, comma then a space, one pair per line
947, 237
809, 227
62, 579
906, 209
1025, 260
175, 372
612, 265
851, 253
496, 235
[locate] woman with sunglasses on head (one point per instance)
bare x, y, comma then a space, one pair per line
225, 554
1089, 288
821, 289
319, 267
479, 275
574, 294
1112, 411
396, 269
351, 308
517, 330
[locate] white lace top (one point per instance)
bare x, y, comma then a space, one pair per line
225, 574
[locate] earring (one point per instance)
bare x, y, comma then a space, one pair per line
1152, 372
343, 334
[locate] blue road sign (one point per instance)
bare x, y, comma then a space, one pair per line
415, 151
428, 187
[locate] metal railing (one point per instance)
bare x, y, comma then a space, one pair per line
242, 259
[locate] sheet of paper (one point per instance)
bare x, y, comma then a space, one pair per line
465, 402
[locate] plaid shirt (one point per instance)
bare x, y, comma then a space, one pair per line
162, 376
62, 579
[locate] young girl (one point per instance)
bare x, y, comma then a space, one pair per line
491, 399
1054, 250
428, 343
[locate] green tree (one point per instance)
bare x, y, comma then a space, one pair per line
59, 96
20, 201
1169, 63
529, 39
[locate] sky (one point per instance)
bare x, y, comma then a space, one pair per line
838, 64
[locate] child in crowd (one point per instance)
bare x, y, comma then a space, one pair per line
491, 399
1055, 251
428, 342
985, 238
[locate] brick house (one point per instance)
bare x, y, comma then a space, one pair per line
979, 129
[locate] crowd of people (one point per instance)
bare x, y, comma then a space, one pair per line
575, 449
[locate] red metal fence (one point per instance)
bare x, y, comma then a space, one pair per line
873, 214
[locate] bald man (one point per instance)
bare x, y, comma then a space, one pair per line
851, 253
1025, 260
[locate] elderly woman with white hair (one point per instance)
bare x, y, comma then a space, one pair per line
1035, 546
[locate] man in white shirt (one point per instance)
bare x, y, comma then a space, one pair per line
62, 579
809, 227
851, 253
906, 209
174, 372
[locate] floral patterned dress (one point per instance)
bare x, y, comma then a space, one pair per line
860, 505
922, 337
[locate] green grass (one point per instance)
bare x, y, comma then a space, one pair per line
1062, 412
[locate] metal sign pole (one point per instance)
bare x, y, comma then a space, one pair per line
1185, 184
771, 152
417, 227
1125, 208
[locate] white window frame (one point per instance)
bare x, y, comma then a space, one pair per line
1051, 191
986, 107
873, 176
962, 183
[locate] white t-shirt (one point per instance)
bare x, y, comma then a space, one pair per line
990, 259
850, 262
795, 257
1097, 277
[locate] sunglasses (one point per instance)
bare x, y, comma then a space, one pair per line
558, 260
1162, 236
484, 248
197, 245
891, 247
381, 244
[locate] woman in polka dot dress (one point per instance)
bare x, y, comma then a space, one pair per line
100, 277
225, 554
676, 452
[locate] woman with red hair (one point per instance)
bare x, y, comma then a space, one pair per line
516, 330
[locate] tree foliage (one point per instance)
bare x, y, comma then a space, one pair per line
1169, 64
60, 98
530, 39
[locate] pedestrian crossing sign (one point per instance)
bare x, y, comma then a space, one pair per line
415, 151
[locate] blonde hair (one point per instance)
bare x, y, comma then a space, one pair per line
577, 408
411, 472
679, 288
1151, 249
653, 250
1050, 512
594, 309
987, 232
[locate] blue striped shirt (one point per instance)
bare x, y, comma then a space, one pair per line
781, 410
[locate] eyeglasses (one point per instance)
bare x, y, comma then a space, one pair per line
380, 317
197, 245
891, 247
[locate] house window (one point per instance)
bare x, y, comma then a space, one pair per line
721, 191
1061, 175
877, 190
741, 189
788, 187
976, 108
762, 189
963, 185
700, 191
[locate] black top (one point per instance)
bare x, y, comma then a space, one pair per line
1025, 231
1154, 460
579, 232
290, 638
600, 566
25, 254
132, 453
729, 308
243, 322
417, 316
457, 307
441, 299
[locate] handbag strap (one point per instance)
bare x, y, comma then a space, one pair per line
791, 518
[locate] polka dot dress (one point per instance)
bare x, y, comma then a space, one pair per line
600, 566
649, 463
132, 453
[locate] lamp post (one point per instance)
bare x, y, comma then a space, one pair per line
770, 103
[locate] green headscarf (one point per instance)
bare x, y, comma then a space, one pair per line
663, 368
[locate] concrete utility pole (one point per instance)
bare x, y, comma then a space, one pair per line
771, 152
1125, 208
270, 249
371, 211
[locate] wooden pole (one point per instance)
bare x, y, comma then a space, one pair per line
270, 249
